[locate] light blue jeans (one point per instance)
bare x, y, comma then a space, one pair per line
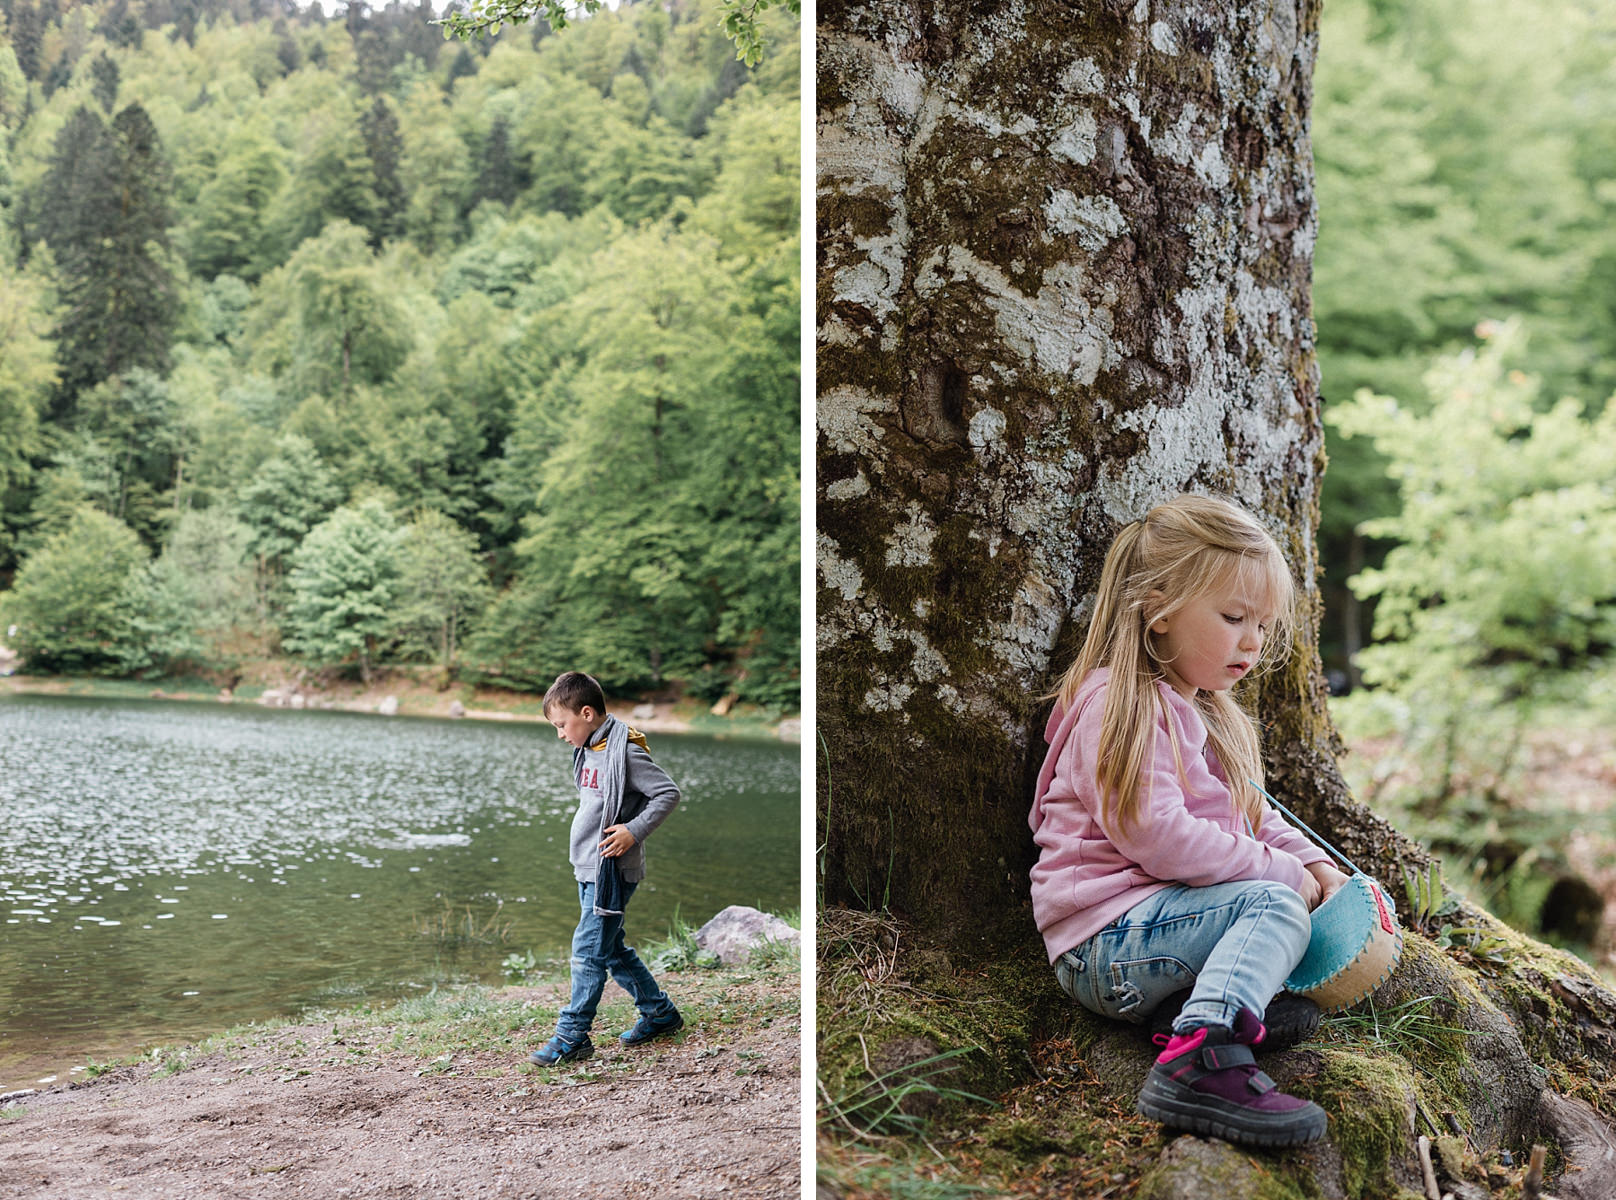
591, 964
1233, 943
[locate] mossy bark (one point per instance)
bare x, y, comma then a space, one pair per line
1064, 254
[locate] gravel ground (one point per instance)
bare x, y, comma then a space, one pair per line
330, 1110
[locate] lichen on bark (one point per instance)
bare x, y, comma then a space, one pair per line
1063, 268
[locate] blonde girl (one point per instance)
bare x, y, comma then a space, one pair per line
1163, 878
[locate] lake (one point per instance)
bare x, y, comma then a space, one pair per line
168, 869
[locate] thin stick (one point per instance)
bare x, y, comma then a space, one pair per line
1347, 862
1426, 1117
1532, 1185
1432, 1192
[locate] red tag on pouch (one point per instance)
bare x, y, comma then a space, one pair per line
1385, 917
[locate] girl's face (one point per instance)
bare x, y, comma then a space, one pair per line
1212, 641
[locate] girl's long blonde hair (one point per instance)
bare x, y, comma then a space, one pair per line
1180, 551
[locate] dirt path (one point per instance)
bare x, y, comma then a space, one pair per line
339, 1109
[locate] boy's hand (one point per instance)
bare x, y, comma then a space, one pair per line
618, 841
1330, 880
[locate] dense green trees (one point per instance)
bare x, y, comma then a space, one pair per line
1467, 339
513, 328
1464, 175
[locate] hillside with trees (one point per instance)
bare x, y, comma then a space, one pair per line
336, 339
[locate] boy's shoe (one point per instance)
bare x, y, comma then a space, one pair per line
557, 1051
645, 1029
1207, 1082
1287, 1020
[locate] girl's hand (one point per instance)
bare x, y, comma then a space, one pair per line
1328, 878
1312, 892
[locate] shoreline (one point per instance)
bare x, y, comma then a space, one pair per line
408, 693
44, 1071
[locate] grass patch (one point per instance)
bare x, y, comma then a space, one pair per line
460, 1021
885, 1106
868, 1177
679, 952
13, 1112
1409, 1029
778, 954
452, 928
455, 1027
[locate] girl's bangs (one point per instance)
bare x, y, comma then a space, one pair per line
1262, 581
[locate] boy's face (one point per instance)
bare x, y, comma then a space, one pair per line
574, 728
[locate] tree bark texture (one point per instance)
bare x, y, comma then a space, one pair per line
1064, 259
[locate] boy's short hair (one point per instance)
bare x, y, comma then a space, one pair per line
574, 691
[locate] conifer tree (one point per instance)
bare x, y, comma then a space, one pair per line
499, 179
65, 183
464, 65
119, 301
104, 73
26, 33
386, 147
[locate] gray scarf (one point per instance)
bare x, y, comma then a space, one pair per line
613, 774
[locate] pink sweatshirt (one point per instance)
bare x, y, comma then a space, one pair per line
1089, 872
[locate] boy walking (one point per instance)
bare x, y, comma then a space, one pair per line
622, 797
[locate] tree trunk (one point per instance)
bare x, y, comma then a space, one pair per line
1064, 275
1064, 263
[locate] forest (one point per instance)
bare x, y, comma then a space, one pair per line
334, 339
1465, 299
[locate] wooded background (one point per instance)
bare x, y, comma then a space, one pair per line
336, 339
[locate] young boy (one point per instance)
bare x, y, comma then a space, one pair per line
622, 797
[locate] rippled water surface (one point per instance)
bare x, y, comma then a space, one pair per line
168, 870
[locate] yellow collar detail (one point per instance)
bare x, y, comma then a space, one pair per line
634, 735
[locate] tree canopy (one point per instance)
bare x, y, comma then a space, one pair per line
534, 298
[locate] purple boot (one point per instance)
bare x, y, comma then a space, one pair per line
1206, 1081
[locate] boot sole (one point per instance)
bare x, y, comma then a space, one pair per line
651, 1037
1283, 1037
575, 1056
1179, 1107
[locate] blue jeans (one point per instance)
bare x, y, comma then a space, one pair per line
590, 966
1232, 943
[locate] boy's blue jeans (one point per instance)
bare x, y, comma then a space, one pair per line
590, 966
1233, 943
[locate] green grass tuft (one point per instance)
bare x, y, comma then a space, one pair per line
679, 952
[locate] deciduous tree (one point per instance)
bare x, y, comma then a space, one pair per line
345, 588
442, 584
71, 600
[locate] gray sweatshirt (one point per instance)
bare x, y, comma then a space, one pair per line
648, 797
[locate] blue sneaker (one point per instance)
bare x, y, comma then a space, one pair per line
557, 1051
645, 1029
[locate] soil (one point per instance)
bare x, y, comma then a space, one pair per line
326, 1110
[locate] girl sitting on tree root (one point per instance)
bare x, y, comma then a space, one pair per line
1161, 873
